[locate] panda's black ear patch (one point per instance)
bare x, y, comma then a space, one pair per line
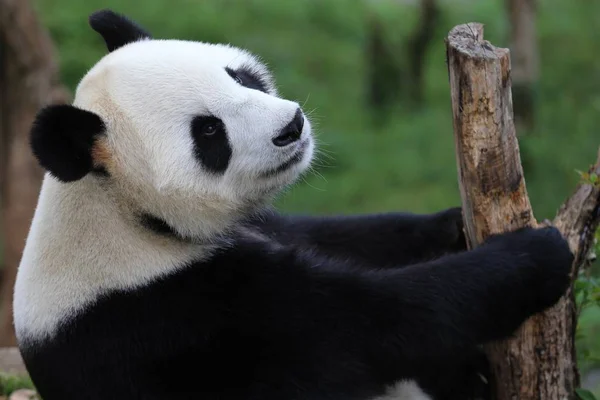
62, 139
116, 30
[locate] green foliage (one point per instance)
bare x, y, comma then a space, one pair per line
587, 334
583, 394
587, 292
10, 383
587, 289
316, 49
590, 178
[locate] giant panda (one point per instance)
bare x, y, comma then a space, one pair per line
156, 267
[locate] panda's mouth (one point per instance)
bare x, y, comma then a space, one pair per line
293, 160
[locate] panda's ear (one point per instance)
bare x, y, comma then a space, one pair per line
116, 30
62, 139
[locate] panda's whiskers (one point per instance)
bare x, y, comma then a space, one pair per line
305, 180
321, 154
306, 100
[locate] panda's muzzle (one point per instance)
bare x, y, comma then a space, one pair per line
293, 160
291, 132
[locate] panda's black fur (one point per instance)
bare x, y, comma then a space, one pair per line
67, 150
301, 308
310, 308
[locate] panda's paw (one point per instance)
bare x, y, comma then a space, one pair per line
548, 261
553, 260
445, 230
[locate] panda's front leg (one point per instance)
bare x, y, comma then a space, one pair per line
394, 239
334, 330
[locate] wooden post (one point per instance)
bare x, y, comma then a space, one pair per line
539, 362
491, 177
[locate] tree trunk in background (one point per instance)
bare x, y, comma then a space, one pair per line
391, 77
539, 362
524, 50
29, 79
418, 44
384, 74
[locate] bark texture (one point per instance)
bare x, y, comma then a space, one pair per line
491, 180
539, 362
28, 80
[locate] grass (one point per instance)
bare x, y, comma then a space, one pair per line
316, 49
10, 383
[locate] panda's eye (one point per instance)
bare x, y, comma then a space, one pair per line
249, 78
235, 76
207, 126
209, 129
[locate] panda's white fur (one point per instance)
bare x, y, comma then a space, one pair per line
404, 390
146, 253
147, 92
61, 273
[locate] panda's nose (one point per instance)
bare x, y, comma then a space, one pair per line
291, 132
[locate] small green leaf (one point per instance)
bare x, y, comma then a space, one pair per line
586, 177
584, 394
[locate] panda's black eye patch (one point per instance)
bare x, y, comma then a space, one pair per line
246, 77
211, 145
207, 126
237, 79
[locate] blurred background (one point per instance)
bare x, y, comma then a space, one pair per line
372, 74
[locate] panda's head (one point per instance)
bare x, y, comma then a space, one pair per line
189, 133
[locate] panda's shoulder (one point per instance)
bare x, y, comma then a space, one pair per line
253, 249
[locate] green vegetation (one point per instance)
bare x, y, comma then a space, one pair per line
587, 335
11, 383
316, 49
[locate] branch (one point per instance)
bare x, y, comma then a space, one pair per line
539, 362
578, 218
